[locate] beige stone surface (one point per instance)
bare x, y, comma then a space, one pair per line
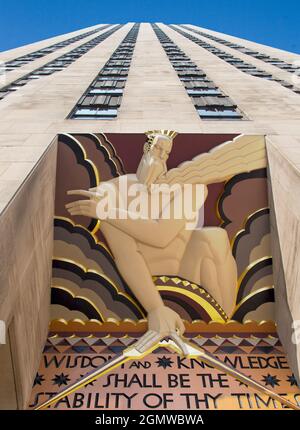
275, 103
284, 185
276, 71
26, 49
269, 50
26, 229
27, 116
285, 181
40, 62
154, 98
8, 397
152, 92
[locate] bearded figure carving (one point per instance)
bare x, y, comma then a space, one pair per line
145, 245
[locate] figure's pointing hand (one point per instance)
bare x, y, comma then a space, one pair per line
83, 207
179, 342
151, 338
84, 193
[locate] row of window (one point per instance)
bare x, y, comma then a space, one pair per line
103, 97
209, 101
244, 67
24, 59
58, 64
289, 67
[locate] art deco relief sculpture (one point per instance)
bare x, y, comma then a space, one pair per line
148, 245
147, 242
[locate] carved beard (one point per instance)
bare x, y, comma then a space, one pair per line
150, 169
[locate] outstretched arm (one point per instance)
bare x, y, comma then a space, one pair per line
151, 232
158, 233
135, 271
161, 319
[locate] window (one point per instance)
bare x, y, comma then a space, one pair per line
107, 71
106, 101
24, 59
117, 92
104, 96
115, 79
59, 63
218, 113
191, 73
3, 94
213, 101
241, 65
183, 64
204, 92
208, 100
89, 113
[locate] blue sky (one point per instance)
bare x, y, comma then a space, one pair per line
274, 23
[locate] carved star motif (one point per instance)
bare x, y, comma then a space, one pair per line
292, 380
61, 379
164, 362
271, 380
243, 383
89, 383
38, 379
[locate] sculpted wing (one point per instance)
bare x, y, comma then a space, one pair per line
242, 154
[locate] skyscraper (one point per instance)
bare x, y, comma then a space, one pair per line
73, 113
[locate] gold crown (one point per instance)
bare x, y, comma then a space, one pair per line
152, 133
